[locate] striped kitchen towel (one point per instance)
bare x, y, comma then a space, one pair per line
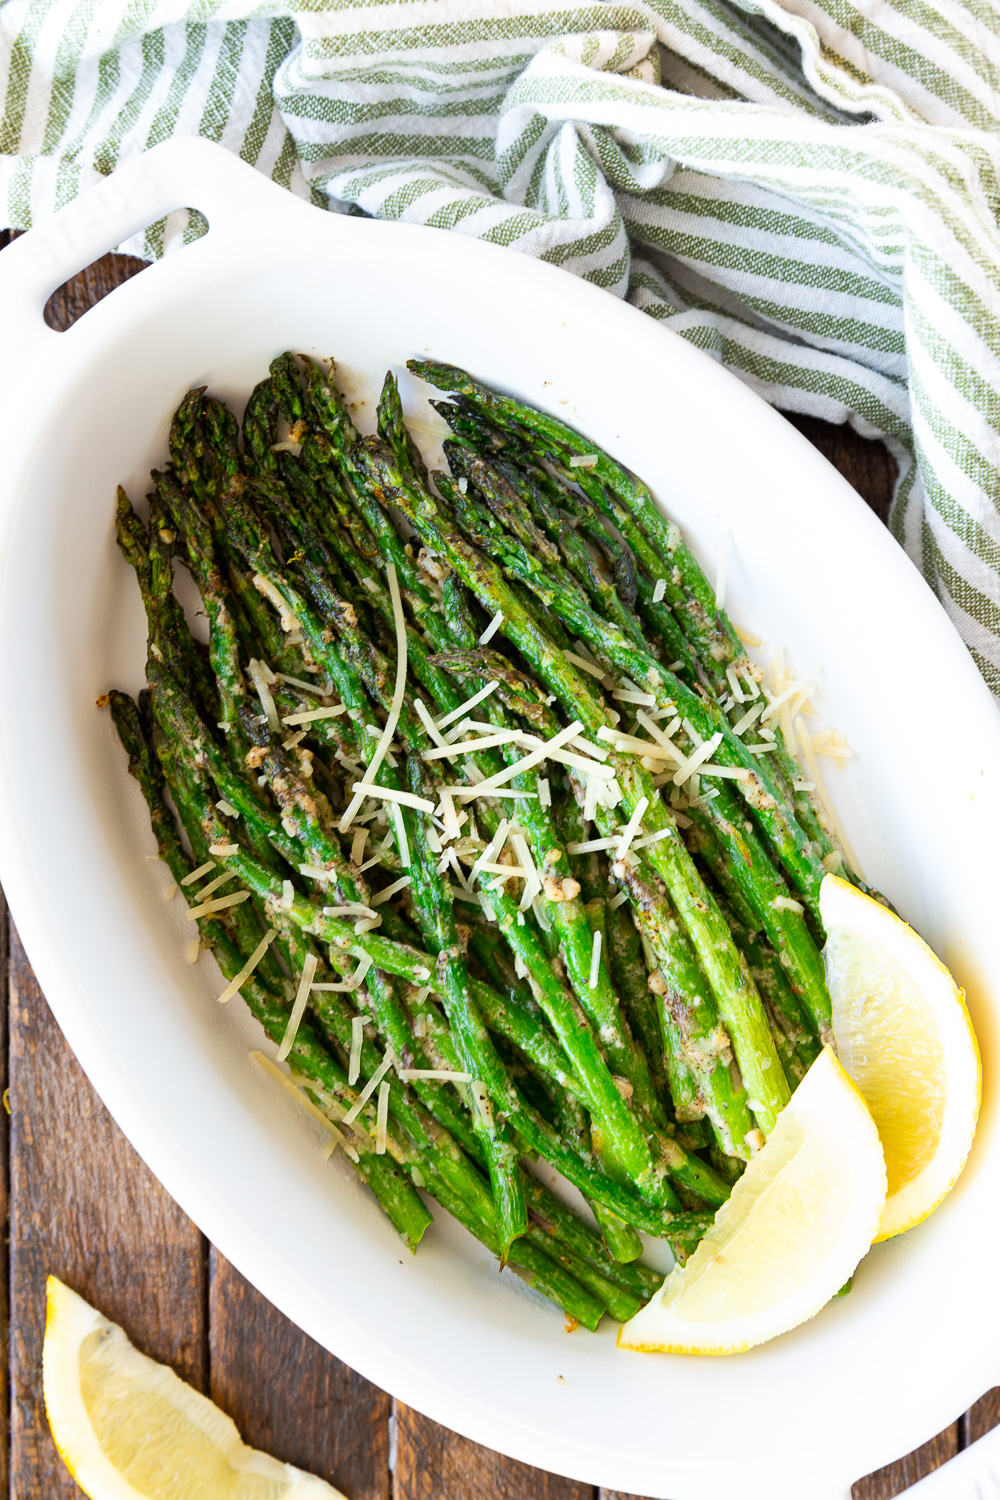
807, 190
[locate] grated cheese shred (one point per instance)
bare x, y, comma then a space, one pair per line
370, 1087
239, 980
395, 706
595, 960
491, 628
382, 1119
298, 1008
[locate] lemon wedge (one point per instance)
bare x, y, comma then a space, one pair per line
128, 1428
904, 1035
798, 1222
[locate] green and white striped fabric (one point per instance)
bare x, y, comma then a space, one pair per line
807, 191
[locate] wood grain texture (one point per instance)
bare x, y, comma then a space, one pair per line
291, 1398
435, 1464
74, 297
896, 1477
979, 1419
83, 1207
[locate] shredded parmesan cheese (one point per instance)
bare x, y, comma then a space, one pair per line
391, 890
618, 900
223, 850
390, 794
311, 717
235, 985
584, 461
469, 747
227, 808
423, 714
627, 695
697, 758
748, 640
463, 708
357, 1041
299, 1006
395, 705
652, 838
631, 828
256, 671
532, 760
730, 773
748, 718
336, 1137
223, 903
447, 1075
595, 960
544, 792
196, 874
824, 795
491, 628
734, 685
370, 1087
659, 589
585, 666
402, 843
382, 1119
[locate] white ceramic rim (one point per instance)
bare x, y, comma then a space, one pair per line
234, 198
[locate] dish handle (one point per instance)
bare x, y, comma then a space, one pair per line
185, 172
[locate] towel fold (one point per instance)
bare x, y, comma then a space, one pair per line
808, 192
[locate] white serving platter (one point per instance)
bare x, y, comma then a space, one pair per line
918, 1339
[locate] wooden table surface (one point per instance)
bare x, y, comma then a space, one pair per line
80, 1204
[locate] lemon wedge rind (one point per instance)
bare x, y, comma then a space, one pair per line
798, 1221
128, 1428
903, 1033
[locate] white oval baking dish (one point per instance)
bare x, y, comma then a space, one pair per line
919, 1336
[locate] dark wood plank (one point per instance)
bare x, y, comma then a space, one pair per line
289, 1396
894, 1478
72, 299
866, 464
435, 1464
979, 1419
86, 1209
